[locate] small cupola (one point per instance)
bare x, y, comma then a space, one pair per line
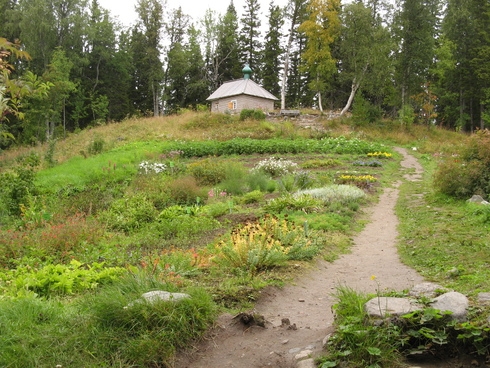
247, 72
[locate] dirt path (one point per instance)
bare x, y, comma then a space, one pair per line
307, 304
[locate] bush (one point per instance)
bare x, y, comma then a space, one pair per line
235, 179
207, 171
305, 203
184, 190
18, 185
129, 214
252, 197
268, 243
96, 146
363, 112
253, 114
258, 180
466, 173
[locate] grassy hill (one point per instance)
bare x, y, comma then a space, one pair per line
205, 204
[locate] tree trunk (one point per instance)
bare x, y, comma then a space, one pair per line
353, 90
294, 19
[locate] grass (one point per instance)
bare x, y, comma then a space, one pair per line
164, 229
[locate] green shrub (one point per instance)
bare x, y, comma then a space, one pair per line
325, 163
257, 180
208, 171
129, 214
255, 196
18, 185
363, 112
268, 243
96, 146
466, 173
305, 203
185, 190
406, 116
216, 209
180, 222
254, 114
58, 279
235, 179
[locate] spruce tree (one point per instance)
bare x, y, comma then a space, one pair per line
273, 52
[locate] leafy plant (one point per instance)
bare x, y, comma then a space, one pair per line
184, 190
58, 279
265, 244
96, 146
341, 193
18, 185
362, 181
129, 214
316, 164
207, 171
379, 154
371, 163
255, 114
288, 202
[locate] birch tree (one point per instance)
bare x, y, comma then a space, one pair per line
321, 29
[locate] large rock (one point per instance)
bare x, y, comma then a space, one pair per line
427, 289
478, 199
381, 307
159, 295
454, 302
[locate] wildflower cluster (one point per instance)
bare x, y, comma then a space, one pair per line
152, 167
380, 154
362, 181
275, 166
214, 192
265, 244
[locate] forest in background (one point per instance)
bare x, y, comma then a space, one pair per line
66, 64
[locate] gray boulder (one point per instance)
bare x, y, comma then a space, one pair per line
478, 199
159, 295
454, 302
381, 307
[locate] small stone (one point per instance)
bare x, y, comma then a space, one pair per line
284, 342
306, 363
293, 327
302, 355
294, 350
301, 300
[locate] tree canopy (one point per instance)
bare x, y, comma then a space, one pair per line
67, 64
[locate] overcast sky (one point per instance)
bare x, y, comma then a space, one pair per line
124, 9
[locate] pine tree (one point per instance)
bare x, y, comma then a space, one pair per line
250, 46
227, 64
273, 52
146, 55
292, 76
417, 31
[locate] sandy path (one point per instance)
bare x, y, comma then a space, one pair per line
308, 302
